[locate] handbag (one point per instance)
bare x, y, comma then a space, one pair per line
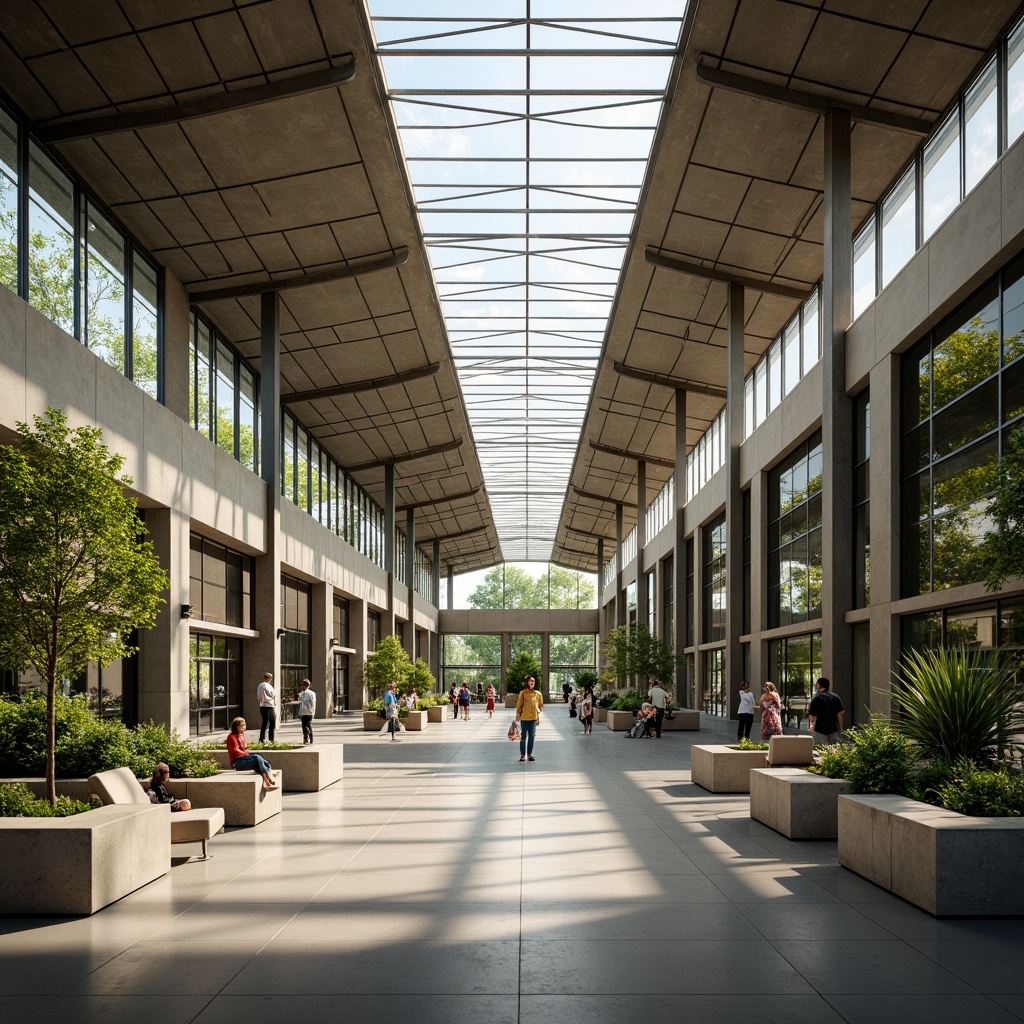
513, 731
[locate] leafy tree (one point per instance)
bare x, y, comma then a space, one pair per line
76, 576
389, 663
520, 589
638, 655
420, 679
520, 668
1002, 554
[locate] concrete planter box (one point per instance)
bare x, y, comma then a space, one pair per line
436, 713
308, 769
683, 720
600, 714
241, 794
415, 721
619, 721
799, 804
723, 769
949, 864
79, 864
77, 789
372, 721
511, 700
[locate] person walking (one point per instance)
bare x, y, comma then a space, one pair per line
491, 694
658, 696
771, 708
242, 759
307, 709
745, 714
825, 713
529, 705
586, 710
464, 698
453, 699
391, 706
266, 696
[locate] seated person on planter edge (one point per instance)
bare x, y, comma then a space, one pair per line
157, 791
242, 759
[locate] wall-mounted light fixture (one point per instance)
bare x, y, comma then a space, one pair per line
281, 632
335, 643
186, 611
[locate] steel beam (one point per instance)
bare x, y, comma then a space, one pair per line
608, 449
656, 258
375, 384
815, 103
422, 453
221, 290
440, 501
603, 498
111, 124
667, 381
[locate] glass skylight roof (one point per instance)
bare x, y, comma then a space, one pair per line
526, 135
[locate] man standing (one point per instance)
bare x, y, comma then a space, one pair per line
267, 697
659, 698
307, 709
825, 714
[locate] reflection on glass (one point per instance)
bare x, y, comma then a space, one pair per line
981, 134
203, 378
811, 330
51, 256
968, 354
774, 376
247, 398
967, 419
8, 202
145, 371
225, 398
791, 356
864, 285
104, 273
1015, 84
941, 177
1013, 311
899, 220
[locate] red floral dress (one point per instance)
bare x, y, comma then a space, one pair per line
771, 722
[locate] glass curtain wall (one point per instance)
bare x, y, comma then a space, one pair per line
296, 648
343, 699
214, 682
794, 664
474, 659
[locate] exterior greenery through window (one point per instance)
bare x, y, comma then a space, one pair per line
962, 392
794, 536
75, 265
296, 648
715, 597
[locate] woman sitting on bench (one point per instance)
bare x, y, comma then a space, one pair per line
242, 760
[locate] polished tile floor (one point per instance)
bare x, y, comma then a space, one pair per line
443, 881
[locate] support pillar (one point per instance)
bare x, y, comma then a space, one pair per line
450, 596
601, 624
734, 499
642, 609
321, 630
410, 579
620, 601
679, 561
390, 562
545, 666
435, 574
836, 570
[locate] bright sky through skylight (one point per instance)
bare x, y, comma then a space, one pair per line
526, 133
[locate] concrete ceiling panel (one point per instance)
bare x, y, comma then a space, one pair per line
210, 211
748, 135
239, 256
284, 33
148, 13
383, 293
28, 30
137, 164
754, 251
840, 58
96, 167
398, 326
803, 262
927, 73
877, 156
695, 237
67, 81
317, 305
709, 192
103, 20
145, 225
209, 259
228, 44
314, 246
122, 68
179, 55
364, 236
769, 27
177, 159
358, 360
810, 170
180, 264
675, 294
274, 251
777, 208
705, 363
898, 13
971, 24
180, 221
766, 318
276, 140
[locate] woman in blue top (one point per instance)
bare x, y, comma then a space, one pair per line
391, 710
464, 697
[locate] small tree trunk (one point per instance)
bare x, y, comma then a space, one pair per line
51, 739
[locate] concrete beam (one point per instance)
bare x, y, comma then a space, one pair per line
422, 453
440, 501
667, 381
608, 449
357, 386
658, 259
604, 498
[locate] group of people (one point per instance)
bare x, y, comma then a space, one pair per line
824, 713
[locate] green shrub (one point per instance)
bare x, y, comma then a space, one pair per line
584, 678
745, 744
955, 702
377, 704
17, 801
606, 699
883, 760
835, 761
628, 700
153, 743
982, 792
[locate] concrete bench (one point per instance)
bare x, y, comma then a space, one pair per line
682, 720
790, 751
119, 787
797, 803
242, 795
308, 769
720, 768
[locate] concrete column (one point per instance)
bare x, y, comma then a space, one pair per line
263, 654
601, 625
620, 600
177, 370
435, 574
545, 665
642, 611
837, 416
390, 562
679, 563
357, 640
450, 597
505, 640
698, 616
734, 498
321, 626
410, 579
758, 580
163, 650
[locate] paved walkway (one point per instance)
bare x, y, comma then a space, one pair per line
442, 881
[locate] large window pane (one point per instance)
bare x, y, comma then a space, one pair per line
104, 276
981, 133
8, 202
1013, 311
247, 452
1015, 84
225, 399
203, 378
145, 297
899, 224
811, 331
51, 257
864, 268
941, 165
969, 352
791, 356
